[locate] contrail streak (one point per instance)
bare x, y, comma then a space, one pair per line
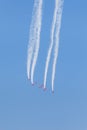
31, 39
51, 44
37, 36
57, 33
34, 40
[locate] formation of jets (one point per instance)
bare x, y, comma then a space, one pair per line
40, 86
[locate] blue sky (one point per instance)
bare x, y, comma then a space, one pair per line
23, 107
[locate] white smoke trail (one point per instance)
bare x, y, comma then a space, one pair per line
37, 36
57, 33
31, 39
34, 39
51, 44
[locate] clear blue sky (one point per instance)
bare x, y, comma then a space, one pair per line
23, 107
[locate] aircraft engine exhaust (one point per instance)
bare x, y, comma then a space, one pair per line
34, 42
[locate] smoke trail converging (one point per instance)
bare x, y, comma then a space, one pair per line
51, 45
57, 33
37, 40
31, 40
54, 38
34, 37
34, 40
